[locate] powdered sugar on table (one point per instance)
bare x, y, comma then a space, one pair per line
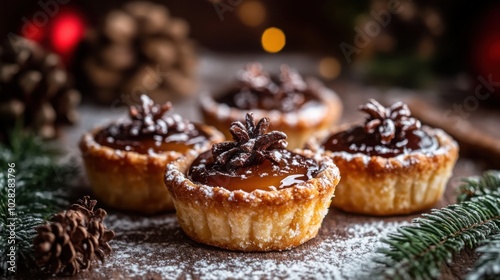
155, 247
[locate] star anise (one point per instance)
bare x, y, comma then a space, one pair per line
251, 144
389, 123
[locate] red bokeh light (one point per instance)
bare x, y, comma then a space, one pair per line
494, 51
486, 45
67, 31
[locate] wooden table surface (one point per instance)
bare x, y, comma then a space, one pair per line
155, 247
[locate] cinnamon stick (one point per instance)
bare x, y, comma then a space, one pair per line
473, 142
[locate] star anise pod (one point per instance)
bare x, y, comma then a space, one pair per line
251, 144
73, 239
389, 123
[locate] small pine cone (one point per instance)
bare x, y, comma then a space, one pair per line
139, 49
54, 248
34, 88
101, 235
73, 239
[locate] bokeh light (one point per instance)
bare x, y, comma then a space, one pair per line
68, 29
494, 50
273, 40
329, 67
252, 13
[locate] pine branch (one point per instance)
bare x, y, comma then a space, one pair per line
419, 250
488, 265
40, 191
489, 183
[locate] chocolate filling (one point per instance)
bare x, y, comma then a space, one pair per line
356, 140
256, 90
387, 132
150, 131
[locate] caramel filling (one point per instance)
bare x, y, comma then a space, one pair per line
154, 143
268, 175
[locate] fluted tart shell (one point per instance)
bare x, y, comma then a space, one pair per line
251, 221
132, 181
299, 125
403, 184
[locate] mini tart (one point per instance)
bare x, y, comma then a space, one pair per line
260, 220
298, 124
133, 181
396, 185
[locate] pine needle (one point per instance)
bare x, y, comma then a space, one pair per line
489, 183
420, 250
488, 265
40, 191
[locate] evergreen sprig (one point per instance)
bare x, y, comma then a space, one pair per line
419, 251
488, 264
475, 186
40, 191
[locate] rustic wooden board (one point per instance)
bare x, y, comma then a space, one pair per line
155, 247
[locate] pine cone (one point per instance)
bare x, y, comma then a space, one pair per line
251, 144
284, 94
140, 49
149, 118
34, 88
389, 123
73, 239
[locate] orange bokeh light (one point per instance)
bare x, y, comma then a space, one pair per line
273, 40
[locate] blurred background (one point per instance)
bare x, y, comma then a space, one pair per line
115, 50
416, 43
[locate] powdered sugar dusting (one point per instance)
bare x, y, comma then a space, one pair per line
155, 247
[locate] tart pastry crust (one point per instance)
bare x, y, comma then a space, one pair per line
133, 181
299, 125
403, 184
252, 221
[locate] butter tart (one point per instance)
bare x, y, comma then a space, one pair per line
252, 194
297, 107
125, 161
391, 164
